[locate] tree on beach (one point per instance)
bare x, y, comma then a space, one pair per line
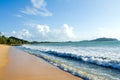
3, 40
12, 40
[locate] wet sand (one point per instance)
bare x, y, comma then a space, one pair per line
19, 65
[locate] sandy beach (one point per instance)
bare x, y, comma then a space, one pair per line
18, 65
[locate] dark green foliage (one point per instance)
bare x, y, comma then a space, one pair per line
16, 41
3, 40
12, 40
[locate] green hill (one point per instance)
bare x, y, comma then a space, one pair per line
105, 39
12, 40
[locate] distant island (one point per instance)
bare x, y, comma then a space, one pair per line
104, 39
98, 39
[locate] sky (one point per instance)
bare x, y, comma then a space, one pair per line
60, 20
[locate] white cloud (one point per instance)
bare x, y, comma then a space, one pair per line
13, 32
38, 3
44, 29
24, 34
38, 8
30, 11
68, 31
45, 32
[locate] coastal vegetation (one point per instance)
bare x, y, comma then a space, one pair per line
12, 40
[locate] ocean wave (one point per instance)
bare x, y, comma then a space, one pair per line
107, 61
66, 62
96, 60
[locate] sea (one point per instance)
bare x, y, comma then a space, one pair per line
90, 60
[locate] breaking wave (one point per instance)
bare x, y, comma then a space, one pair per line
108, 57
77, 60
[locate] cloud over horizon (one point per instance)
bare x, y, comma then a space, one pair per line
46, 33
23, 34
43, 32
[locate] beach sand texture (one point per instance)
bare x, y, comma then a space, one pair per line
18, 65
3, 59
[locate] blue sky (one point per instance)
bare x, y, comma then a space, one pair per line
60, 20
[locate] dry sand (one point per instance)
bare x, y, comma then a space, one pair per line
3, 59
18, 65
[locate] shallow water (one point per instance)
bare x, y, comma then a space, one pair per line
90, 60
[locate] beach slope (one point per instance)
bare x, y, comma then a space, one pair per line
19, 65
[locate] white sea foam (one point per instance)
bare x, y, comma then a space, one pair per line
103, 56
97, 55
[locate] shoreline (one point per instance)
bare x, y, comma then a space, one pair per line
23, 66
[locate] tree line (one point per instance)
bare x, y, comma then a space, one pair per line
12, 40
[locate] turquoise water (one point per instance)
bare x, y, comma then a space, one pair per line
90, 60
